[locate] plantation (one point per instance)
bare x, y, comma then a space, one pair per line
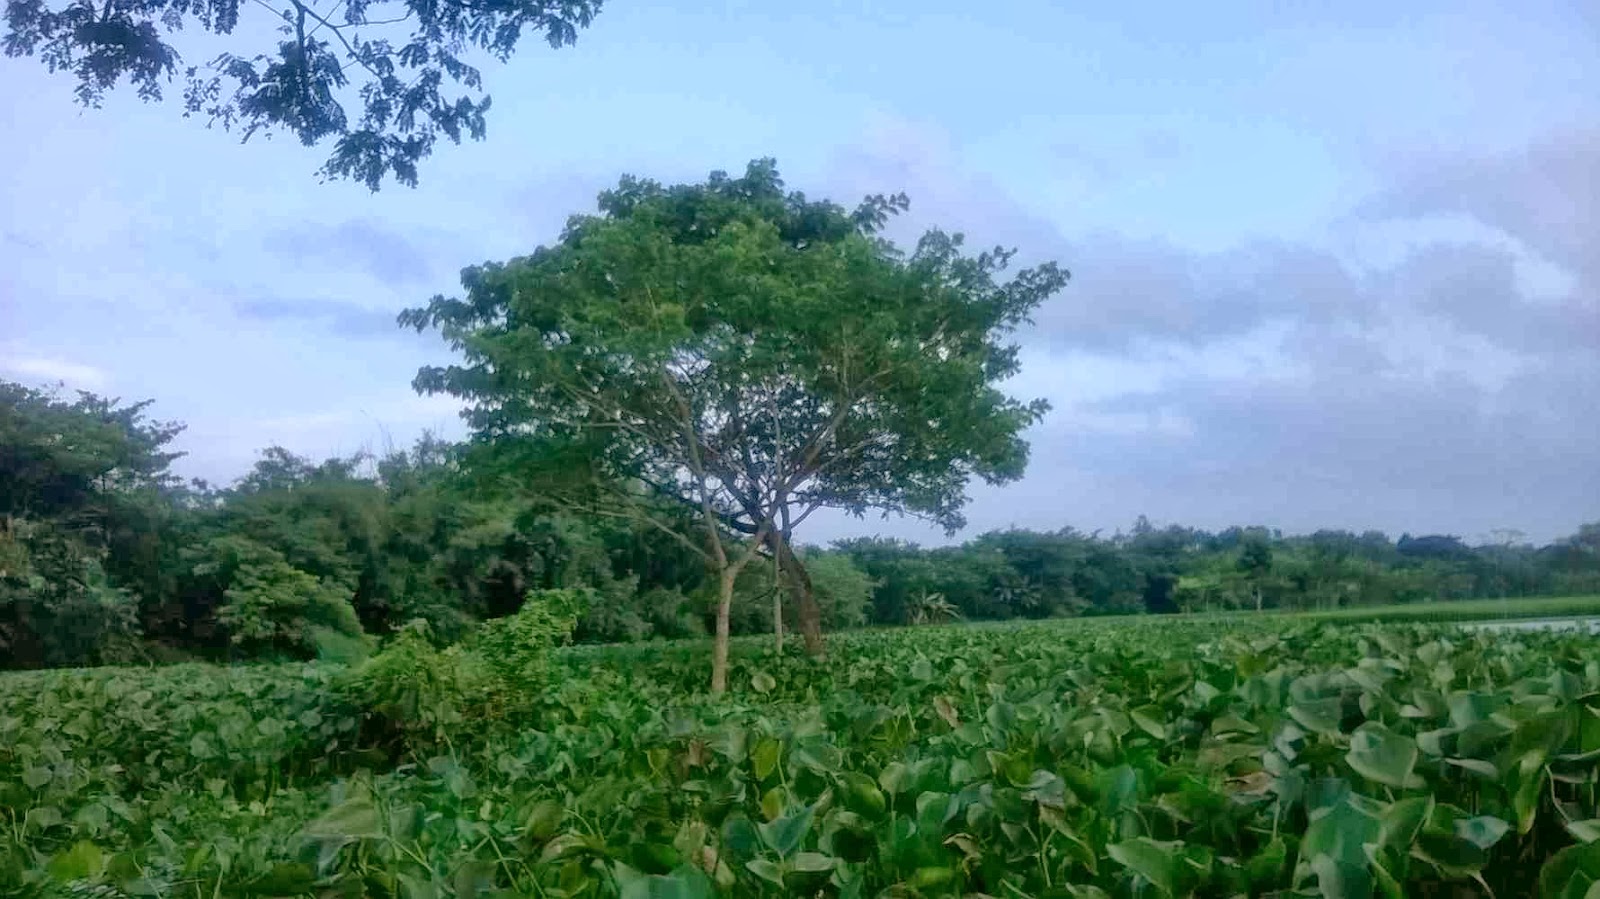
1134, 757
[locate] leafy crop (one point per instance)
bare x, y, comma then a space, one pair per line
1079, 759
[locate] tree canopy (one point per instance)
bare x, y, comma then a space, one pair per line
384, 81
748, 354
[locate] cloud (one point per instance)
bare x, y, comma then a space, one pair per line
1546, 196
51, 371
1446, 384
381, 252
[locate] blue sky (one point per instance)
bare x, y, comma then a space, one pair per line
1332, 267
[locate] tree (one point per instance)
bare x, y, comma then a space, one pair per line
734, 357
1255, 563
73, 475
407, 55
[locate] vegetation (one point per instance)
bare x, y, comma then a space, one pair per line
409, 55
106, 558
721, 360
658, 401
1120, 758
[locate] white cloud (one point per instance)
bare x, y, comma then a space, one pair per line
46, 371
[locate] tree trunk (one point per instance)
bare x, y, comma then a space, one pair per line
808, 613
719, 650
777, 617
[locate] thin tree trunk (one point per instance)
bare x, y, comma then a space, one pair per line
805, 599
777, 604
719, 651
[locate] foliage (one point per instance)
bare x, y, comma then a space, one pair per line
727, 356
106, 559
414, 694
57, 606
1105, 758
517, 648
409, 57
273, 609
72, 474
843, 590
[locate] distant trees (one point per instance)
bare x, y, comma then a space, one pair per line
722, 359
401, 63
105, 557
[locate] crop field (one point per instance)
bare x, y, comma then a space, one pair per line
1465, 610
1093, 758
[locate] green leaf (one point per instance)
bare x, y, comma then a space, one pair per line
1155, 861
544, 820
1586, 831
762, 682
1341, 880
812, 862
765, 757
1318, 715
784, 834
862, 795
1151, 720
1378, 753
83, 861
1477, 766
353, 819
1570, 873
1403, 820
740, 836
1340, 831
1483, 831
1266, 867
767, 870
684, 882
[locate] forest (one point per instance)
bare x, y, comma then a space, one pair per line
107, 557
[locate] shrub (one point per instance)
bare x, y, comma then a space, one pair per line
414, 694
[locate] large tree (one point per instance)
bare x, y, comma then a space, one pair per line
78, 478
747, 355
404, 64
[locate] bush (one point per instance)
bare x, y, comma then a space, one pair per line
516, 648
414, 694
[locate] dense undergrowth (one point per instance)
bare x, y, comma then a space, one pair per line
1085, 758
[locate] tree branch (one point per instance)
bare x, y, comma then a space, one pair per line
307, 11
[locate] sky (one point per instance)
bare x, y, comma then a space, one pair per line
1334, 265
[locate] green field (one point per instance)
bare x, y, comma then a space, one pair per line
1112, 757
1520, 609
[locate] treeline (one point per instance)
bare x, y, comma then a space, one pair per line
107, 557
1028, 574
